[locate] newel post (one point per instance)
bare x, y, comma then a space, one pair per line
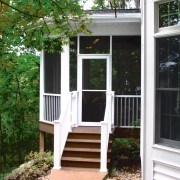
57, 145
104, 131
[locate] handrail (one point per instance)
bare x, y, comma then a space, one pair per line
51, 94
127, 95
62, 127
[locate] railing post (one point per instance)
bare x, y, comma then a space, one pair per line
109, 100
57, 145
74, 108
104, 131
112, 114
70, 111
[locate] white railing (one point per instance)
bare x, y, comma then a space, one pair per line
62, 127
127, 111
106, 126
51, 107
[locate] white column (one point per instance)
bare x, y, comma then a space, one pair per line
64, 76
41, 112
64, 100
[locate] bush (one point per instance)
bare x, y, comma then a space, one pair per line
125, 153
128, 147
37, 165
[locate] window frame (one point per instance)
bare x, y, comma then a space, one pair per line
162, 32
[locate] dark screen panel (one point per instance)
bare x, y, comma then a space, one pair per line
52, 72
94, 45
126, 64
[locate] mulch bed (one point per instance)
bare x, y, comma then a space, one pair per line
127, 173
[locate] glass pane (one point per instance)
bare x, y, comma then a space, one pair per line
52, 73
94, 74
126, 64
93, 106
73, 64
170, 115
169, 13
94, 45
168, 59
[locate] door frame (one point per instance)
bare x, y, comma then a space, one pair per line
79, 83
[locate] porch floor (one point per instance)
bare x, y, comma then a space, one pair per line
76, 175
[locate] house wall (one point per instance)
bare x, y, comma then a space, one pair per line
158, 161
119, 29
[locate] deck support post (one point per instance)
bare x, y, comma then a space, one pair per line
41, 142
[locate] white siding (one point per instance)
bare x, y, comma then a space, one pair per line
158, 162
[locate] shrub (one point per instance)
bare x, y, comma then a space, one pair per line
126, 147
36, 165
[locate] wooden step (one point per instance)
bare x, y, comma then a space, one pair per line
83, 152
78, 159
81, 162
87, 135
83, 149
84, 140
79, 169
87, 129
83, 144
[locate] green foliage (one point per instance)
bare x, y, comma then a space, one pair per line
125, 153
100, 4
136, 123
19, 108
111, 4
31, 24
38, 165
126, 147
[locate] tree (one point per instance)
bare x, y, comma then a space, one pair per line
113, 4
32, 24
19, 100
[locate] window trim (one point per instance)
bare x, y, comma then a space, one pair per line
156, 19
160, 33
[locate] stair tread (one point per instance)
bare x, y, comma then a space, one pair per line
83, 149
84, 140
97, 133
80, 159
90, 130
79, 169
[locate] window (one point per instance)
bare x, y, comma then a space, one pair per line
168, 90
169, 13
